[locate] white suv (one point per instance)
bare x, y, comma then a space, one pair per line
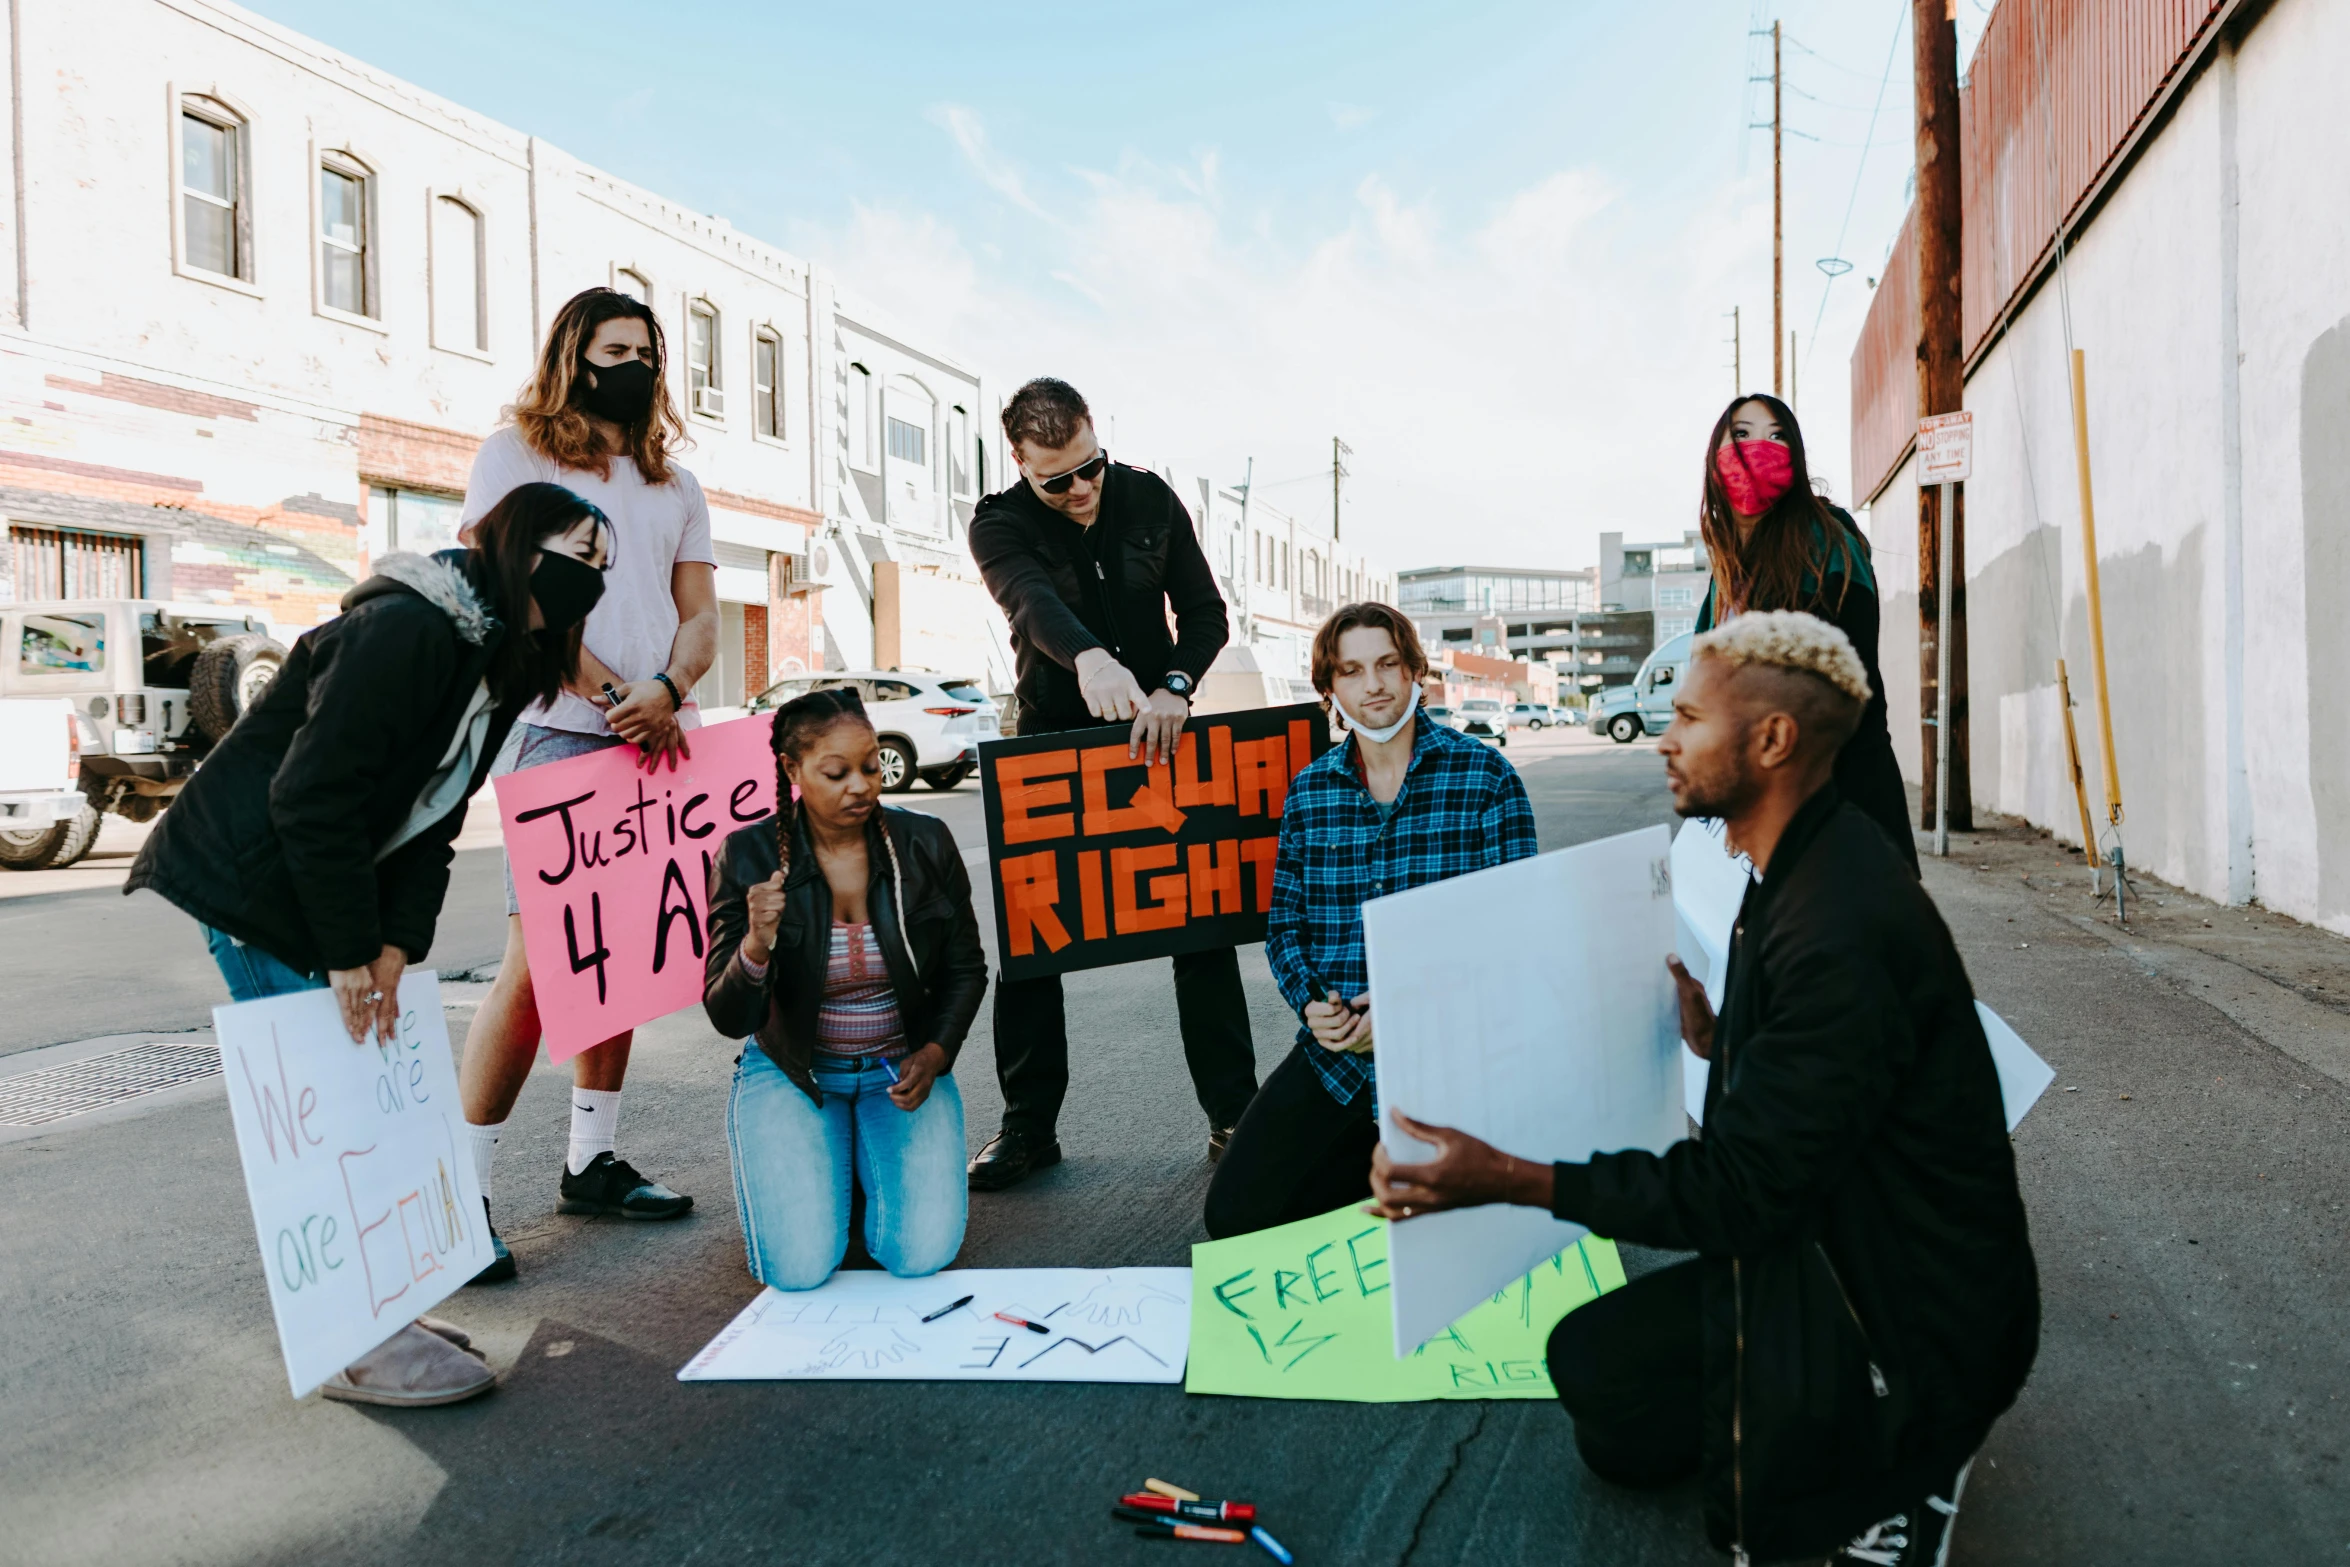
930, 725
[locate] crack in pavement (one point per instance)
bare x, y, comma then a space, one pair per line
1452, 1467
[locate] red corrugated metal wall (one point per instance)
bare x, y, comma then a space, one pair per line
1885, 369
2104, 63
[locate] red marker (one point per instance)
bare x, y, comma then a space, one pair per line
1022, 1322
1208, 1512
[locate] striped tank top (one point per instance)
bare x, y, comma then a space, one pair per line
859, 1013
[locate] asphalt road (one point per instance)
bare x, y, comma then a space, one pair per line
2189, 1404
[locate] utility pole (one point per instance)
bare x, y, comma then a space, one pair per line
1941, 389
1247, 583
1339, 452
1778, 236
1737, 354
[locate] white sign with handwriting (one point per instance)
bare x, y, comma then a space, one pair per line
364, 1197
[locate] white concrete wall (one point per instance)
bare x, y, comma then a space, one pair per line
2223, 794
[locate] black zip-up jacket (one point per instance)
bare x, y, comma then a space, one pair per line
1871, 1303
274, 839
937, 993
1067, 589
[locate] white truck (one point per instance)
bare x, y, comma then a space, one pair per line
108, 705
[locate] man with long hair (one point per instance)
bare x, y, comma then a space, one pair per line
597, 417
1863, 1303
1087, 558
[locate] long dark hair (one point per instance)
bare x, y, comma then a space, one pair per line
550, 419
793, 729
1797, 548
524, 667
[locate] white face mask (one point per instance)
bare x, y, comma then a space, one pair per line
1380, 736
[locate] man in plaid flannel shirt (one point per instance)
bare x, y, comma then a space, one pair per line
1399, 803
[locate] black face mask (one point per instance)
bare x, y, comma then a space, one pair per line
623, 393
566, 589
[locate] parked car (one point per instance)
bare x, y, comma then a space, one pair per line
1437, 713
1485, 719
930, 724
151, 687
1570, 715
41, 803
1533, 715
1645, 707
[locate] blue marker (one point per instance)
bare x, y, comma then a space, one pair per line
1273, 1548
886, 1066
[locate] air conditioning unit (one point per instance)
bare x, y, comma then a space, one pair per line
711, 401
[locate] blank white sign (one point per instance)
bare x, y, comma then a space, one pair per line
1527, 1005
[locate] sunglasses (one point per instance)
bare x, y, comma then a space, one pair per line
1089, 470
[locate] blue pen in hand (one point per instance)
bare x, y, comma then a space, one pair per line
891, 1068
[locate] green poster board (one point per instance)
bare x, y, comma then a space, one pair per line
1301, 1312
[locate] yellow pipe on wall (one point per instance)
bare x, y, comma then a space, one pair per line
2113, 780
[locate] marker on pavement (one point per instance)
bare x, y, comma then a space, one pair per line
950, 1306
1273, 1548
1202, 1511
1190, 1531
1170, 1488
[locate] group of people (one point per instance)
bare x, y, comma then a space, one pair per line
1861, 1304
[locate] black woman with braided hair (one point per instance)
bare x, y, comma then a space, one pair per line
845, 954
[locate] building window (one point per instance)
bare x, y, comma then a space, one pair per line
702, 383
1666, 630
343, 238
212, 191
860, 416
633, 285
1676, 598
459, 316
413, 520
961, 448
767, 384
908, 443
65, 563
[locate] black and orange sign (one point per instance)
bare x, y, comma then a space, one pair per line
1098, 859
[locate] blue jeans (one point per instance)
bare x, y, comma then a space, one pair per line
792, 1161
252, 973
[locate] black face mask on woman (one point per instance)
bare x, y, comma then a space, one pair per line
623, 393
566, 589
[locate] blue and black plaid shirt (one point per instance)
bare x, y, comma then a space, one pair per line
1462, 809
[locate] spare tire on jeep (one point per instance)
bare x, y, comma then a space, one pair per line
228, 678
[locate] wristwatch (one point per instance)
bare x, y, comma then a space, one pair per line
1179, 683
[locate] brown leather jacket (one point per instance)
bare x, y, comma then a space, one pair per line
938, 992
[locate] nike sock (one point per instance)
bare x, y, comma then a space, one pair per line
595, 1117
485, 1148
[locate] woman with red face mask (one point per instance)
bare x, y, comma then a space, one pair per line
1774, 544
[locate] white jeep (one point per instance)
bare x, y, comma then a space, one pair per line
147, 687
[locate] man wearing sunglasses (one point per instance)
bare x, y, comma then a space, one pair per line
1087, 558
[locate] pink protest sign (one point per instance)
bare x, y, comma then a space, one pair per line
612, 870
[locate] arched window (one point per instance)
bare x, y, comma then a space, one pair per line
460, 314
704, 390
633, 285
346, 261
214, 233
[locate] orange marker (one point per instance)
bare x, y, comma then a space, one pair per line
1169, 1488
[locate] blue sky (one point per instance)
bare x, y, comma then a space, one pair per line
1492, 243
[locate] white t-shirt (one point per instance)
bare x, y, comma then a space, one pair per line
655, 526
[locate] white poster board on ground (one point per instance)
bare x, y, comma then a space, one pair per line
2023, 1076
364, 1197
1709, 885
1101, 1325
1527, 1005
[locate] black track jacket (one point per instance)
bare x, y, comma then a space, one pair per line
1871, 1304
1066, 589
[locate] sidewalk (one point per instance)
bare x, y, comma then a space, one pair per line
2186, 1183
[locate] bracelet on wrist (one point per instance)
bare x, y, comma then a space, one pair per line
676, 702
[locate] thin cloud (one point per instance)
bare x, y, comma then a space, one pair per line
995, 171
1351, 116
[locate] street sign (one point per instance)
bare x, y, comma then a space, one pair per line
1946, 448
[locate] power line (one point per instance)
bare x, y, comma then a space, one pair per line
1892, 52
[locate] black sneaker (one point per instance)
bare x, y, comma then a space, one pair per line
1009, 1158
611, 1186
1917, 1537
500, 1269
1219, 1139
